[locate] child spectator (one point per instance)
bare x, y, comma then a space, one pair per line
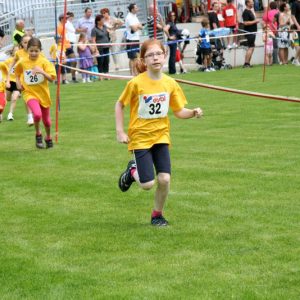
268, 37
12, 92
85, 56
3, 75
230, 16
205, 46
32, 74
295, 44
55, 52
94, 67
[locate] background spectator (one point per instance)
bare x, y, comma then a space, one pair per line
250, 25
112, 24
160, 24
86, 23
100, 35
133, 26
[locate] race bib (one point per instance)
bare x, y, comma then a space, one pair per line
229, 12
153, 106
1, 76
207, 38
12, 70
31, 79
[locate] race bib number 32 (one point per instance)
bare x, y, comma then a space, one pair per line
31, 79
153, 106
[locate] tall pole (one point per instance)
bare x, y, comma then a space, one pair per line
154, 19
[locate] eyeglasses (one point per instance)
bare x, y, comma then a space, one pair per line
151, 55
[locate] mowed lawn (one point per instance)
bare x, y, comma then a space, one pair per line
67, 232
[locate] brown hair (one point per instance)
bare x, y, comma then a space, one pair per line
140, 66
104, 10
34, 42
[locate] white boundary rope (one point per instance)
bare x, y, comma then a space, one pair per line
203, 85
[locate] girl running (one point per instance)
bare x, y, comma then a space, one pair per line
33, 73
3, 75
20, 54
12, 92
149, 95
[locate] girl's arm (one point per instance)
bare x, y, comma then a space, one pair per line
122, 137
18, 83
39, 70
186, 113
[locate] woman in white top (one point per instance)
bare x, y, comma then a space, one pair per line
70, 29
112, 25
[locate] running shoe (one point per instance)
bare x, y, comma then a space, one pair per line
10, 117
39, 141
126, 178
49, 143
30, 121
159, 221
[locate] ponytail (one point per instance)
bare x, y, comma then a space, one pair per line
140, 66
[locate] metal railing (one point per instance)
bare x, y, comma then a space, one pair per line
39, 15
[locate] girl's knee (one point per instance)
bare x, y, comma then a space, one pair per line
147, 185
163, 178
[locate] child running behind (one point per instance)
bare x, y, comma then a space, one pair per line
12, 92
3, 75
20, 54
85, 57
33, 73
150, 95
55, 50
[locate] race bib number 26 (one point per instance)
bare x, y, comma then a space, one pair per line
153, 106
31, 79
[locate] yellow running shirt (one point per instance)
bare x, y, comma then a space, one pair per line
149, 102
35, 86
3, 76
8, 62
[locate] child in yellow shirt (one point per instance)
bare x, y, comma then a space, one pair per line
55, 51
33, 73
12, 92
150, 95
3, 75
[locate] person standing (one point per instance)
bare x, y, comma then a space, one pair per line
69, 49
160, 24
172, 33
296, 21
36, 71
86, 23
133, 26
18, 32
230, 21
150, 95
250, 26
112, 24
100, 35
3, 76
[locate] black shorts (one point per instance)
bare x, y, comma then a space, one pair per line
158, 155
69, 51
132, 54
205, 51
251, 40
13, 87
63, 69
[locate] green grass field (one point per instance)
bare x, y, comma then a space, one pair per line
67, 232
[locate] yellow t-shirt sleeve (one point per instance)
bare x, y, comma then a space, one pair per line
127, 93
49, 69
177, 98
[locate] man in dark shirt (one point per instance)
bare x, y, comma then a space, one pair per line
250, 25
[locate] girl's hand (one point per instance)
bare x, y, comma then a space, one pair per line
37, 70
122, 137
7, 85
198, 112
19, 86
